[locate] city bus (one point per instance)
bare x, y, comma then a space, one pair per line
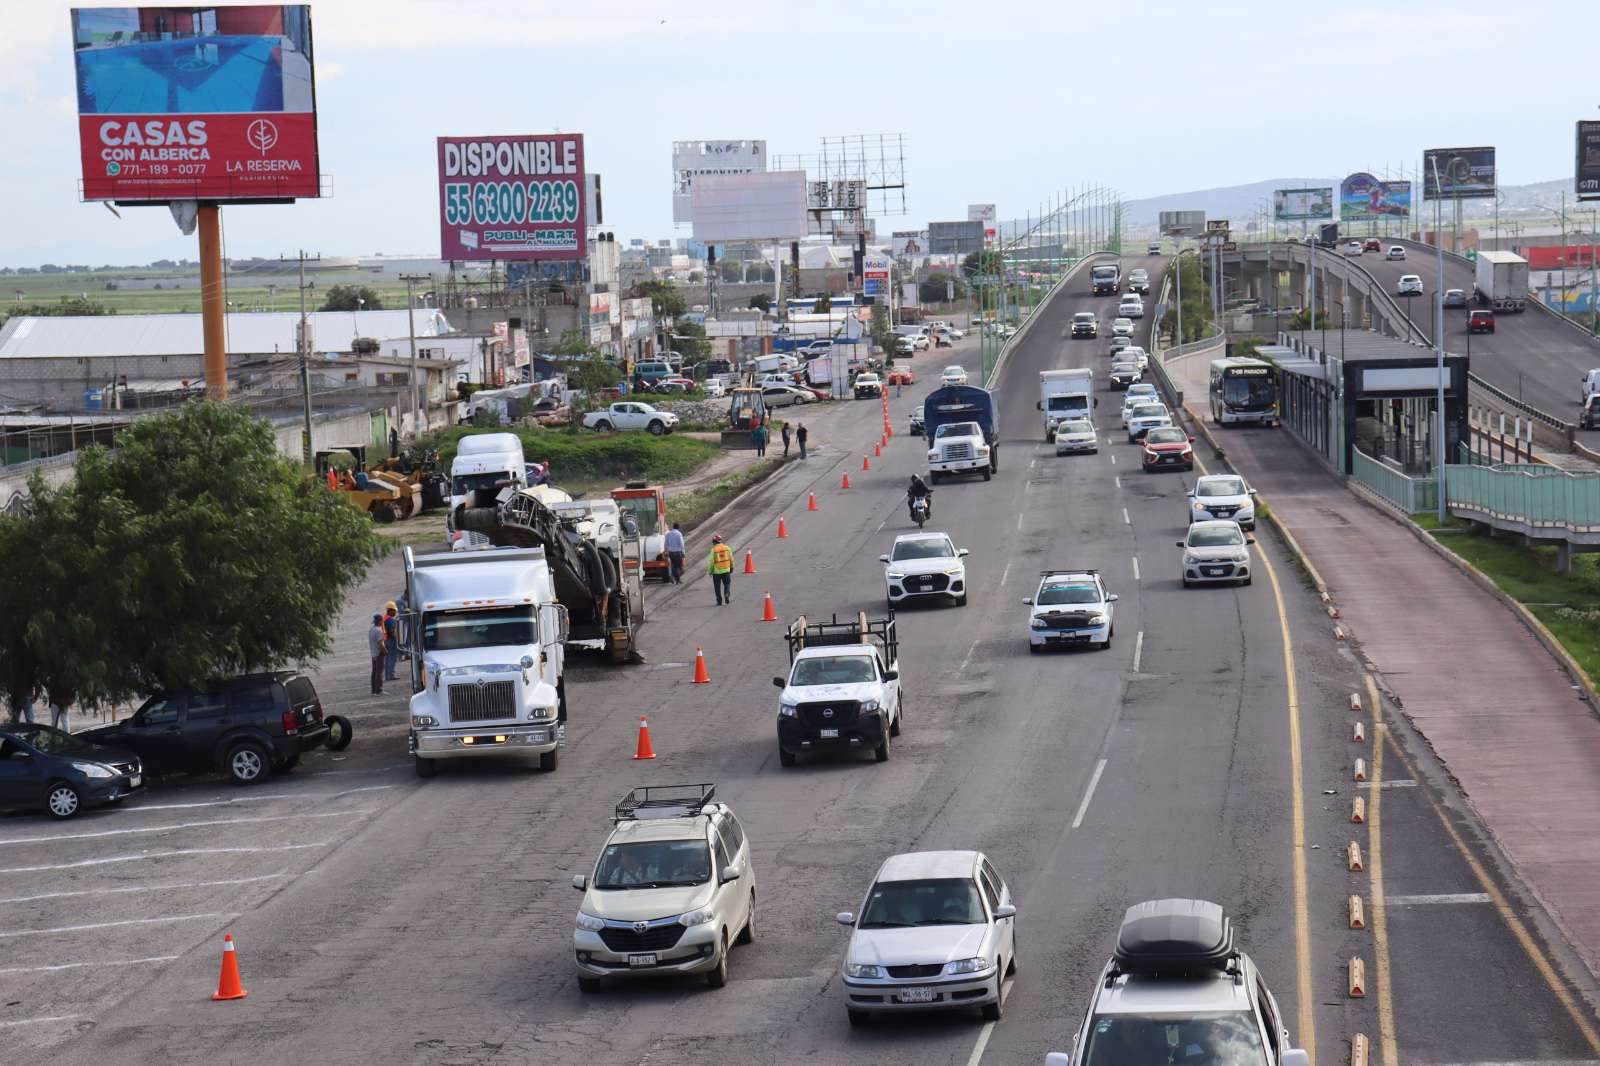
1243, 390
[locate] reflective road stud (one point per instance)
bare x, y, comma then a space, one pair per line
1359, 733
1361, 770
1360, 1050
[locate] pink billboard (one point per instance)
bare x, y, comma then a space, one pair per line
516, 197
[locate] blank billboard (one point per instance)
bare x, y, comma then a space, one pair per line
758, 206
955, 238
1182, 223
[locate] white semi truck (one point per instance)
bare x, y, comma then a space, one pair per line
1500, 281
484, 464
1065, 394
486, 638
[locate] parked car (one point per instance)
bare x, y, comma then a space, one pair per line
675, 385
714, 387
62, 772
246, 727
785, 395
630, 415
1480, 321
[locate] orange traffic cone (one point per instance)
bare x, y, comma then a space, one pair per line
866, 464
228, 986
877, 450
701, 677
644, 750
749, 562
767, 613
783, 530
811, 501
844, 482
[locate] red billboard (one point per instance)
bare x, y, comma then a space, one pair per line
196, 103
516, 197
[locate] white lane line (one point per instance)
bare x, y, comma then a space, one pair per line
257, 798
1083, 808
1004, 574
967, 658
142, 888
97, 962
1138, 650
1448, 897
46, 1018
1113, 460
363, 788
1019, 521
147, 855
1125, 521
983, 1042
1403, 782
1136, 568
55, 838
112, 925
1032, 463
1117, 480
881, 525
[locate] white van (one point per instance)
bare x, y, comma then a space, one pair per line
1591, 385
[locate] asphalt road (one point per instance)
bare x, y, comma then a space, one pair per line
431, 922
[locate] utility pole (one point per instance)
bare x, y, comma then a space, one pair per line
418, 416
302, 344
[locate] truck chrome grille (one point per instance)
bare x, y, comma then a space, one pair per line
958, 451
490, 701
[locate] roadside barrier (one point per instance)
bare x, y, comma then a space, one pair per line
749, 562
643, 750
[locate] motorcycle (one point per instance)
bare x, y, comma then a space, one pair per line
919, 510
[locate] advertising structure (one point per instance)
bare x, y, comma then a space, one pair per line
1363, 197
196, 103
1588, 170
758, 206
690, 159
984, 213
513, 197
1458, 174
909, 242
1294, 205
600, 317
836, 208
1182, 223
955, 238
875, 275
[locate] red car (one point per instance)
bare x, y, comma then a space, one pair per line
1372, 244
903, 376
1168, 448
1480, 322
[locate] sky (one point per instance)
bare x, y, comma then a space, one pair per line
1003, 102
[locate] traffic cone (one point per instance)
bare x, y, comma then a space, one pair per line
811, 501
700, 675
783, 530
877, 450
866, 464
888, 429
767, 613
844, 482
749, 562
644, 750
228, 986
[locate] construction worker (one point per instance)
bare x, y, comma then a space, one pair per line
333, 480
721, 570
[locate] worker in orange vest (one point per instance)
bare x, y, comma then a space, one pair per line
721, 570
333, 480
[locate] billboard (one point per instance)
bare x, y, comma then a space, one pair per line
757, 206
875, 275
1182, 223
984, 213
1363, 197
908, 242
1293, 205
693, 158
1588, 170
955, 238
1458, 174
512, 197
196, 103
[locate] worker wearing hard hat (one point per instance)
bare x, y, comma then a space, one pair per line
721, 570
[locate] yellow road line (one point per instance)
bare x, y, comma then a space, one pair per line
1380, 919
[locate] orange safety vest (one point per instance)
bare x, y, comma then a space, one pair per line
721, 559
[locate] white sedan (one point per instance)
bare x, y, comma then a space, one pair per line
1396, 252
1076, 435
1215, 551
1223, 496
953, 375
1140, 357
1410, 285
1122, 327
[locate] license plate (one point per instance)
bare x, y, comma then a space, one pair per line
830, 734
135, 781
914, 995
642, 960
1215, 571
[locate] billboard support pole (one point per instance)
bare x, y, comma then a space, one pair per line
1438, 344
212, 323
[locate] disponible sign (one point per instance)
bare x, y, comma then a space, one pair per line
180, 103
519, 197
693, 158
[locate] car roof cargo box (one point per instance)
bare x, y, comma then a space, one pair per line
1174, 936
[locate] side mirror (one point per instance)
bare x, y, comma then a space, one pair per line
1111, 598
962, 553
779, 682
845, 918
883, 558
581, 883
891, 675
1190, 494
1295, 1057
1028, 600
1181, 544
1058, 1058
1005, 910
731, 872
1249, 540
1038, 406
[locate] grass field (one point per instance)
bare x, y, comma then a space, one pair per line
135, 291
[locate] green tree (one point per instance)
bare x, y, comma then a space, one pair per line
934, 289
761, 301
67, 305
352, 298
691, 340
664, 298
882, 332
979, 264
730, 272
192, 552
574, 343
1197, 322
1302, 320
824, 304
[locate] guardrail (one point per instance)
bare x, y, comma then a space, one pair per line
1410, 494
1033, 315
1544, 503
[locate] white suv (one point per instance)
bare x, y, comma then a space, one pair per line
925, 564
1131, 306
672, 891
953, 375
937, 930
1071, 607
1138, 393
1145, 417
1223, 496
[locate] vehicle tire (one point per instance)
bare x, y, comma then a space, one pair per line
785, 758
881, 752
1245, 582
288, 764
858, 1018
992, 1012
588, 985
62, 800
339, 733
657, 428
247, 763
1185, 582
426, 767
986, 474
602, 426
747, 935
894, 726
961, 601
561, 695
382, 513
549, 760
933, 477
717, 977
1033, 649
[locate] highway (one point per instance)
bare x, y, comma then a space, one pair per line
1208, 753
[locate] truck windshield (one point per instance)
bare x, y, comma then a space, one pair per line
958, 429
653, 864
1215, 1040
489, 628
833, 670
1103, 272
643, 509
466, 484
1059, 404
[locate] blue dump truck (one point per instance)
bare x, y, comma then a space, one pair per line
962, 432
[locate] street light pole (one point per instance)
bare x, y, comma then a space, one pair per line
418, 417
1438, 341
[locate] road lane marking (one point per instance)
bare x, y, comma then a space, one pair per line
46, 1018
147, 855
1136, 568
1116, 479
57, 837
1400, 783
96, 962
1138, 650
1019, 521
1388, 1044
142, 888
1113, 460
983, 1042
1088, 793
111, 925
1005, 573
1445, 897
1125, 519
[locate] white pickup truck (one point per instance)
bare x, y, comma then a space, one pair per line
843, 688
631, 415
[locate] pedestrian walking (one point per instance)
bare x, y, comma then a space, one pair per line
59, 702
22, 708
674, 546
786, 440
394, 443
721, 570
758, 437
391, 639
800, 438
375, 649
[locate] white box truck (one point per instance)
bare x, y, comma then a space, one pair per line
486, 639
1065, 394
1501, 282
484, 463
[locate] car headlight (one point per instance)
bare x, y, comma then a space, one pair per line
423, 721
699, 917
1039, 623
1097, 619
787, 710
537, 713
857, 969
869, 706
893, 575
1190, 560
1242, 557
954, 571
93, 769
966, 966
933, 456
590, 922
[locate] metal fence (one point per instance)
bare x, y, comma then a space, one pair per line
1538, 499
1410, 494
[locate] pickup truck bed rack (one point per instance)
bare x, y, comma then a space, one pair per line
803, 634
